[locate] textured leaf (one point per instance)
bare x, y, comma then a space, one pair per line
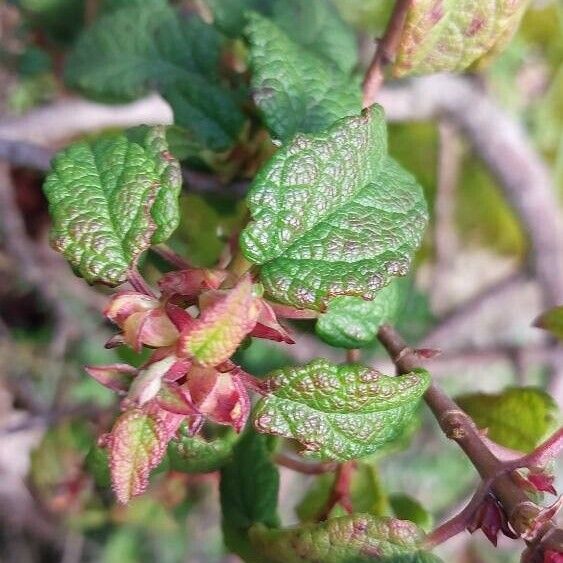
452, 35
130, 51
296, 90
552, 321
192, 454
333, 215
317, 26
106, 200
339, 412
137, 444
353, 322
230, 17
517, 418
249, 493
218, 332
358, 538
366, 494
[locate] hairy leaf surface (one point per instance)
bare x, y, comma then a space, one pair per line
109, 201
129, 52
452, 35
249, 493
358, 538
518, 418
339, 412
296, 90
333, 215
353, 322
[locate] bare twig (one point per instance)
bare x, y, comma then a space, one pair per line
385, 51
526, 518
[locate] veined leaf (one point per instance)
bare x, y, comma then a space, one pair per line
249, 493
358, 538
552, 321
333, 215
134, 49
353, 322
452, 35
518, 418
109, 201
217, 333
137, 444
296, 90
193, 454
339, 412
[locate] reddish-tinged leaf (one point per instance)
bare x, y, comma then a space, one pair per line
542, 482
222, 326
180, 318
553, 557
137, 444
114, 341
268, 326
491, 519
147, 384
191, 282
220, 396
126, 303
152, 328
176, 399
117, 377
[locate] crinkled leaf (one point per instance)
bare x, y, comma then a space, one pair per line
317, 26
353, 322
333, 215
552, 321
452, 35
126, 53
218, 332
295, 89
366, 493
137, 444
339, 412
517, 418
106, 200
249, 493
193, 454
358, 538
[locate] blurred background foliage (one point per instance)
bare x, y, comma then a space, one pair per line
52, 414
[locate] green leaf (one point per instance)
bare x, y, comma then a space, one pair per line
349, 539
518, 418
230, 16
97, 463
141, 47
249, 493
193, 454
454, 34
317, 26
109, 201
296, 90
333, 215
339, 412
366, 493
552, 321
353, 322
406, 508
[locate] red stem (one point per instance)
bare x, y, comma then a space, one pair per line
139, 283
171, 256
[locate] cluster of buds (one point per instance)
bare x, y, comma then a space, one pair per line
194, 328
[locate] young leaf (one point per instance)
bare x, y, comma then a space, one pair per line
296, 90
103, 201
137, 444
452, 35
353, 322
192, 454
359, 538
218, 332
132, 50
552, 321
249, 493
517, 418
333, 215
339, 412
317, 26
